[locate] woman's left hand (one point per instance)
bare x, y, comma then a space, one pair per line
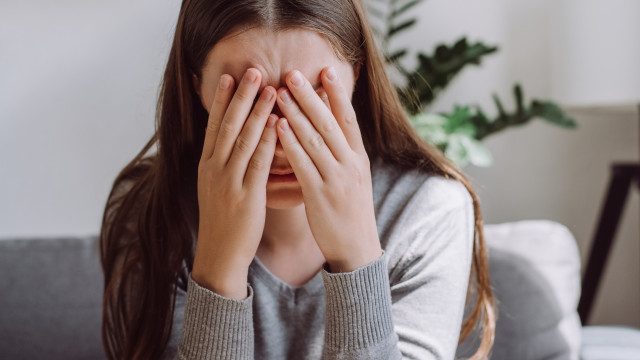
332, 167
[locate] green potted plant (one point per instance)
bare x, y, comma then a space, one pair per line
459, 133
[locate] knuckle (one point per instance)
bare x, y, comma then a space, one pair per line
308, 96
212, 128
219, 101
316, 142
261, 111
257, 164
244, 95
359, 174
242, 144
226, 131
350, 119
265, 140
297, 113
329, 125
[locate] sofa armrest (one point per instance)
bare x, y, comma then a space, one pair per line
535, 274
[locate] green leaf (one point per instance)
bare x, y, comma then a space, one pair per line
438, 70
403, 26
460, 121
404, 8
517, 91
552, 113
396, 55
498, 103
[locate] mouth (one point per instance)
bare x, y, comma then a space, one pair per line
281, 171
282, 175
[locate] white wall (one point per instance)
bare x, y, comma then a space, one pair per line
78, 81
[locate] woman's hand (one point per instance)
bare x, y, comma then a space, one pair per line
326, 152
232, 177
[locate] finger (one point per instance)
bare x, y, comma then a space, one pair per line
221, 99
250, 135
304, 169
236, 115
320, 116
313, 143
324, 97
342, 109
258, 169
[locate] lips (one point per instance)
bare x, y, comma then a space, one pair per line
281, 171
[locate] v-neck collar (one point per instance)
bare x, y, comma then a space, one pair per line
311, 287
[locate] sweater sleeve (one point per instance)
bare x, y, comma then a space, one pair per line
418, 314
358, 321
215, 326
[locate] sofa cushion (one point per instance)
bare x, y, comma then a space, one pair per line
52, 295
535, 273
51, 303
610, 343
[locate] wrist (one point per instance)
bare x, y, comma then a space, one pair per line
355, 261
229, 285
221, 277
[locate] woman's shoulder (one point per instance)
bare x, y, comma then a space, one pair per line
418, 212
420, 190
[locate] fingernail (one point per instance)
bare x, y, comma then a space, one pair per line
331, 73
250, 76
224, 82
284, 125
284, 96
271, 121
266, 95
296, 79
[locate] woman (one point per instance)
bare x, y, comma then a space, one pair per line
290, 210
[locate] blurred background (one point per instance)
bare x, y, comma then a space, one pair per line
79, 80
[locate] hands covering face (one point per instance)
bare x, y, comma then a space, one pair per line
322, 142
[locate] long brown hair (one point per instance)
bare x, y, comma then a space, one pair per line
150, 220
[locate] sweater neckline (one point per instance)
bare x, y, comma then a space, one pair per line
311, 287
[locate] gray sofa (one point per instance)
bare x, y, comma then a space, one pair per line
50, 307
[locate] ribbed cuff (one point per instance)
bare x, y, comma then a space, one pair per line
215, 326
358, 314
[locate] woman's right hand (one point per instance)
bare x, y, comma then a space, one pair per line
234, 168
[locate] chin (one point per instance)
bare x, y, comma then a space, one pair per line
284, 198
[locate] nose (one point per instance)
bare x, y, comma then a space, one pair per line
279, 153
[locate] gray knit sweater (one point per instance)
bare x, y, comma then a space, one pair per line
408, 304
